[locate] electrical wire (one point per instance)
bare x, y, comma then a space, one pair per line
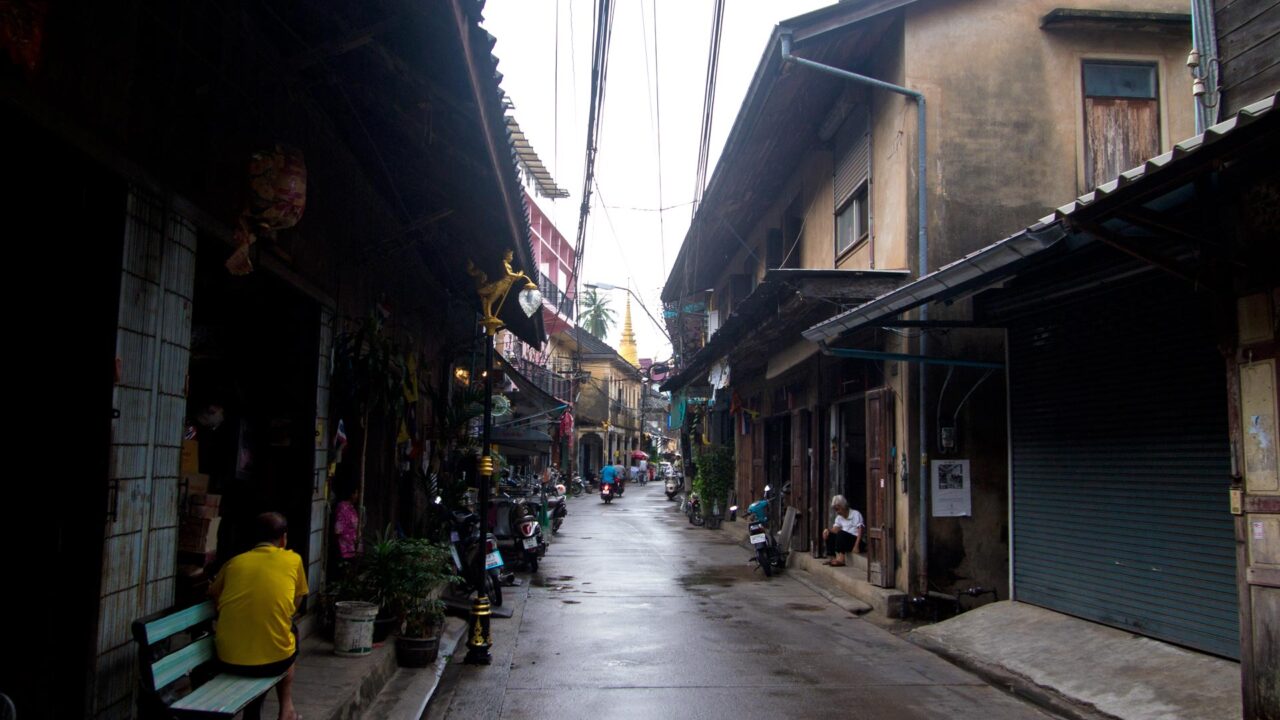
708, 102
657, 102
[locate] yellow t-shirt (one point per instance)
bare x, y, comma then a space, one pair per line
257, 594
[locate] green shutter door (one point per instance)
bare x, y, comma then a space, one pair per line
1121, 466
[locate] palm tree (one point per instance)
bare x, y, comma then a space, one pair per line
597, 318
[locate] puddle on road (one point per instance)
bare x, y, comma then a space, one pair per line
718, 577
802, 607
570, 602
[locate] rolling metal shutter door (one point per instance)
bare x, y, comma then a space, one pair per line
1121, 467
853, 156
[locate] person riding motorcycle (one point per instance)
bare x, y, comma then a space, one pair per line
609, 475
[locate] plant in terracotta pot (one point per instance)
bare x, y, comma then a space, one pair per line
421, 571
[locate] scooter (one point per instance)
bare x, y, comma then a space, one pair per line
464, 543
671, 487
607, 492
693, 508
768, 556
528, 537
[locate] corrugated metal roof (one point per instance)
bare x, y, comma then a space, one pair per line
533, 164
1004, 258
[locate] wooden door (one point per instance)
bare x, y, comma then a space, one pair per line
757, 459
800, 467
880, 498
1255, 395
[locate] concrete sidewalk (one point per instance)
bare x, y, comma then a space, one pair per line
1083, 669
1076, 668
329, 687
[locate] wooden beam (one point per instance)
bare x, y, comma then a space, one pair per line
1157, 223
1113, 240
351, 40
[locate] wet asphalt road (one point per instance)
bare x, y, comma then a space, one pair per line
634, 613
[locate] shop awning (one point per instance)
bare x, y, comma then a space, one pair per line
1136, 214
523, 439
531, 397
787, 299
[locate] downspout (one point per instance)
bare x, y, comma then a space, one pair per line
1203, 64
922, 253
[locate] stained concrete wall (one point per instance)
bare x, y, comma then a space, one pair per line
1005, 124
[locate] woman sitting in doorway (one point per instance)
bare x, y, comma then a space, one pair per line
845, 533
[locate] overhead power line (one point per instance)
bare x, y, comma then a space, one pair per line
708, 103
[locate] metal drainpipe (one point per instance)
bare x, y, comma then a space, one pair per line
1204, 40
922, 253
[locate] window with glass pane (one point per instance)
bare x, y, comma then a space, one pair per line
852, 222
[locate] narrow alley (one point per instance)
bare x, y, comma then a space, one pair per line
635, 613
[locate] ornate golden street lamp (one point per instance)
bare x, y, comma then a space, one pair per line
492, 295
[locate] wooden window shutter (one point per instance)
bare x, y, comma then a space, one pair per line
1122, 119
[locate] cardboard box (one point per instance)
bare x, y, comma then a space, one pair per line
199, 535
210, 499
196, 483
190, 462
202, 511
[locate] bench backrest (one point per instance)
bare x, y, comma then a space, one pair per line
156, 674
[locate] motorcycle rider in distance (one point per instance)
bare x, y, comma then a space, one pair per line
609, 475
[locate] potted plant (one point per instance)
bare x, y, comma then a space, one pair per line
714, 481
412, 589
373, 574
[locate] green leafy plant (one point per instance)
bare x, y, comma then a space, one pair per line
423, 568
714, 478
404, 576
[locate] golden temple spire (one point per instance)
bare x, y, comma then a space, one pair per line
628, 345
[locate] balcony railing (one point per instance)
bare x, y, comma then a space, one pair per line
552, 383
554, 298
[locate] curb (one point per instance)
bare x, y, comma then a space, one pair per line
1012, 683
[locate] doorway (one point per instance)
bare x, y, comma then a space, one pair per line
852, 476
251, 403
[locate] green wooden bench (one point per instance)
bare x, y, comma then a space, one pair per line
164, 662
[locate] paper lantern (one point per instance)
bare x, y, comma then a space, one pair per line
276, 198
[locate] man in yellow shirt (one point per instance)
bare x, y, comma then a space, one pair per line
257, 593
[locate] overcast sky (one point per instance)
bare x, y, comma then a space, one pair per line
626, 242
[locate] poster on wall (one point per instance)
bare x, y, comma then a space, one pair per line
951, 489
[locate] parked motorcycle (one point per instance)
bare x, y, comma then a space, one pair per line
671, 487
693, 508
768, 556
576, 486
559, 510
528, 536
464, 544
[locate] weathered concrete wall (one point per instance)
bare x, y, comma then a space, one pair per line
1006, 140
1005, 123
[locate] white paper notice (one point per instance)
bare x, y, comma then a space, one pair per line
1258, 532
952, 496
